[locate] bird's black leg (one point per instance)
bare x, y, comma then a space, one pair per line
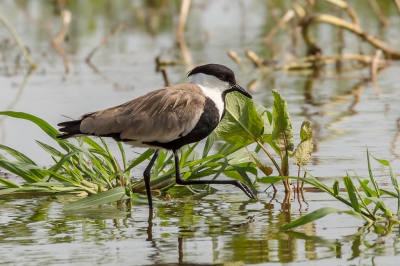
181, 181
146, 175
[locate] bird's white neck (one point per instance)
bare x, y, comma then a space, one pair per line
212, 88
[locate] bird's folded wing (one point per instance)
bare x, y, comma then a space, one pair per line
162, 115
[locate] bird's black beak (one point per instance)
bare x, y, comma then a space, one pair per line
241, 90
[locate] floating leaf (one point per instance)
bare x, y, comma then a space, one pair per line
302, 154
241, 123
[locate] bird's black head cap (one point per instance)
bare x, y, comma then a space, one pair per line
219, 71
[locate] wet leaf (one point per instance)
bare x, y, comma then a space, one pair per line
302, 154
241, 123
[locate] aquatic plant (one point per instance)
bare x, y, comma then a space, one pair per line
365, 201
90, 167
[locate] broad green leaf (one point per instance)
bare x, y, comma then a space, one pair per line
302, 154
266, 116
313, 216
306, 131
115, 194
282, 133
241, 123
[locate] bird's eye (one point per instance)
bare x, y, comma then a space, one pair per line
221, 77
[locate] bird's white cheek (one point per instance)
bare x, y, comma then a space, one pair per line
216, 97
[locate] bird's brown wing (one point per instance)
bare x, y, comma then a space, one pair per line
162, 115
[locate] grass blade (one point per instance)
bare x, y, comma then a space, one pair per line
209, 143
348, 183
144, 156
9, 183
115, 194
313, 216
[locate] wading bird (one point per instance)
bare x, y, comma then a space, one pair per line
167, 118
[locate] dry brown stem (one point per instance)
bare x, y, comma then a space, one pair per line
105, 40
378, 11
342, 4
66, 20
254, 58
281, 24
397, 3
183, 14
165, 77
338, 22
374, 69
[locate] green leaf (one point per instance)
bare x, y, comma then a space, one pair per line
8, 191
271, 179
282, 133
266, 116
241, 123
51, 131
393, 179
209, 143
351, 191
245, 178
145, 155
371, 176
17, 155
302, 154
336, 187
50, 150
115, 194
9, 183
313, 216
264, 168
21, 169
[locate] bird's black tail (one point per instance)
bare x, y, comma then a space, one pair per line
70, 129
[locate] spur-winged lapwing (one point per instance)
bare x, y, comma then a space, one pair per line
167, 118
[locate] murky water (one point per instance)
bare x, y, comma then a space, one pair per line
346, 112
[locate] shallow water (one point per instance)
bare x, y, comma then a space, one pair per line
346, 112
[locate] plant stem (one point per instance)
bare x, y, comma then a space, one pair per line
270, 157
